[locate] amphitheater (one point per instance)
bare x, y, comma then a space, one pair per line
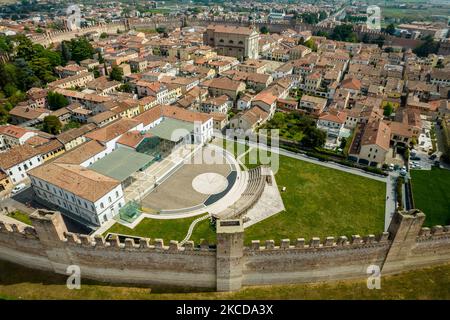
177, 189
233, 199
204, 179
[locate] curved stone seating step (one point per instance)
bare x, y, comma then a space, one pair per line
251, 194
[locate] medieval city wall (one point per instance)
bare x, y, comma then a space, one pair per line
147, 262
330, 260
170, 24
65, 35
230, 265
432, 246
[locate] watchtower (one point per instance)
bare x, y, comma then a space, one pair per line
230, 248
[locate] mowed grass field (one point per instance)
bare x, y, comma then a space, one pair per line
17, 282
319, 202
173, 229
431, 191
414, 14
322, 202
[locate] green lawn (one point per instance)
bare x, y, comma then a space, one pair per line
173, 229
291, 125
414, 14
17, 282
431, 190
319, 202
322, 202
234, 148
21, 216
256, 157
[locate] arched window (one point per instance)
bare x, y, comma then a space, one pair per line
221, 40
240, 42
231, 41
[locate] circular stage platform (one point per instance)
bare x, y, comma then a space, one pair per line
195, 184
210, 183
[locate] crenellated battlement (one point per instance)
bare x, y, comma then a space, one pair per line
61, 35
50, 246
143, 244
433, 233
274, 26
315, 244
15, 229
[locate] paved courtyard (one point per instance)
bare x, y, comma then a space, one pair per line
178, 192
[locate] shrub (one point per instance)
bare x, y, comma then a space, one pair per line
399, 192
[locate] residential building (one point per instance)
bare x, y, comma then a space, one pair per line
250, 119
312, 105
12, 136
224, 85
17, 161
220, 104
370, 144
238, 42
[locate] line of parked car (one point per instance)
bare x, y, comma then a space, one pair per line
402, 170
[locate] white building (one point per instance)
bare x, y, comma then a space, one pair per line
12, 136
84, 195
332, 122
17, 161
219, 104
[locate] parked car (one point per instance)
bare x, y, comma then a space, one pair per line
432, 157
414, 158
18, 188
403, 172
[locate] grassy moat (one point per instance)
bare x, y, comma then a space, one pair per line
17, 282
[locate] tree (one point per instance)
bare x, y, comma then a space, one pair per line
314, 137
52, 125
4, 115
388, 109
390, 29
42, 69
81, 49
104, 35
427, 47
321, 33
6, 47
264, 30
32, 65
56, 100
311, 44
105, 68
71, 125
126, 87
161, 29
100, 58
310, 17
66, 55
344, 32
116, 74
